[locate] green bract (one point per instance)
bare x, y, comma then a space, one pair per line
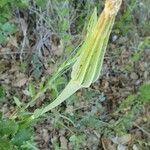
88, 64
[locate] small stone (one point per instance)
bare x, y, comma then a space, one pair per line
138, 82
143, 66
63, 143
114, 38
146, 75
133, 76
62, 132
135, 147
20, 80
122, 147
45, 135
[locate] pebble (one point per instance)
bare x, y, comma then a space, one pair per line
63, 143
114, 38
133, 76
146, 75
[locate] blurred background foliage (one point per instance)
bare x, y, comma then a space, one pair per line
47, 32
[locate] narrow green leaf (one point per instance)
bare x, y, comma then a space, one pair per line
92, 22
32, 90
17, 101
72, 87
2, 92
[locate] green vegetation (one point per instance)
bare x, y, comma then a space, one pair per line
63, 25
7, 27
